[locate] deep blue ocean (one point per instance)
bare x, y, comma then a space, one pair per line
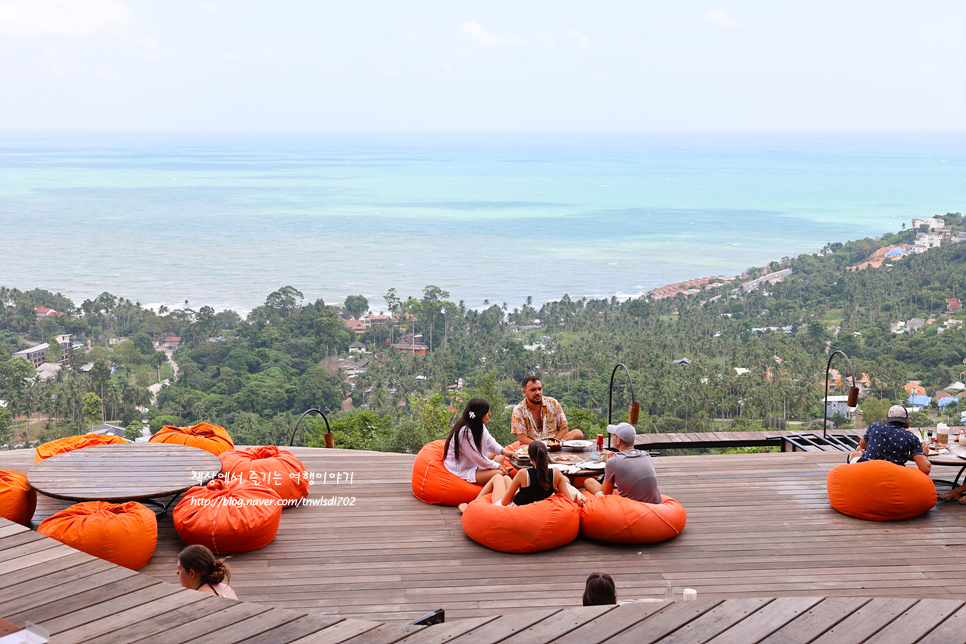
224, 220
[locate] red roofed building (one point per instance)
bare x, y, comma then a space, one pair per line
953, 304
44, 312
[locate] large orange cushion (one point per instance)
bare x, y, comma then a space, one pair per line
543, 525
122, 533
621, 520
71, 443
269, 466
18, 499
210, 438
880, 491
433, 483
228, 516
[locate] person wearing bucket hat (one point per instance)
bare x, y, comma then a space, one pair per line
630, 471
891, 441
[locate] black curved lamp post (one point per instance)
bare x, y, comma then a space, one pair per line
635, 409
853, 390
329, 439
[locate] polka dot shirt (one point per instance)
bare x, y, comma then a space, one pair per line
890, 442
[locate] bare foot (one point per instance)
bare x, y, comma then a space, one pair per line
947, 495
462, 507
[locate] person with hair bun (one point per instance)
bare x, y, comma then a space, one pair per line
470, 452
600, 590
198, 569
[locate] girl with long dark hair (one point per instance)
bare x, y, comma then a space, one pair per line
600, 590
470, 452
532, 484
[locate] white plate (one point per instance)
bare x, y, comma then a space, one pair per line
962, 455
578, 444
560, 466
594, 466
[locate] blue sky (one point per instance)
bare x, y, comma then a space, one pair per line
90, 65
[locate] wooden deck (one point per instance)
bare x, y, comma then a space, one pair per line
726, 440
759, 526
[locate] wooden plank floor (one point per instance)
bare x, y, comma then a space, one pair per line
759, 525
693, 440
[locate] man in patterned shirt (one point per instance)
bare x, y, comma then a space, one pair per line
891, 441
540, 417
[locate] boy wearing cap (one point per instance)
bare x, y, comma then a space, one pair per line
631, 471
891, 441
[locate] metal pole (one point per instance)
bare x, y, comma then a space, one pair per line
329, 440
635, 406
851, 373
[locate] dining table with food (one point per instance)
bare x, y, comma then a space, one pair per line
574, 458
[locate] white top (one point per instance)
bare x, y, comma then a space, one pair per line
470, 459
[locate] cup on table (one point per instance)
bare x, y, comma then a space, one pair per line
690, 594
942, 436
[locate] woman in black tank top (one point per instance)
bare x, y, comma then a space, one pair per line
531, 484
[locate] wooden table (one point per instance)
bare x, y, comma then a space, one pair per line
951, 459
124, 472
577, 457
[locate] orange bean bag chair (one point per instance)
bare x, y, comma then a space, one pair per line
880, 491
618, 519
210, 438
228, 516
18, 499
71, 443
122, 533
270, 466
433, 483
534, 527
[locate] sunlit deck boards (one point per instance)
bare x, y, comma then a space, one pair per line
721, 440
759, 525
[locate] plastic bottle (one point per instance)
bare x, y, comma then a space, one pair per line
669, 593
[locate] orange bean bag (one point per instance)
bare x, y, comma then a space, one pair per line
228, 516
71, 443
618, 519
210, 438
122, 533
433, 483
534, 527
880, 491
269, 466
18, 499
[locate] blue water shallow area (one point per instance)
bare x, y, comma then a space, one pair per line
226, 219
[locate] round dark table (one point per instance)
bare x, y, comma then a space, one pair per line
124, 472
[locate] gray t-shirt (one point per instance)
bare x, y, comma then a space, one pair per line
632, 472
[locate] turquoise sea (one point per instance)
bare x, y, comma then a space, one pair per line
225, 219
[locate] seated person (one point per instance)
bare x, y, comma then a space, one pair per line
631, 471
199, 570
530, 485
539, 417
470, 452
958, 493
891, 441
599, 590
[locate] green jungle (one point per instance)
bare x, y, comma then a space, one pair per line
754, 360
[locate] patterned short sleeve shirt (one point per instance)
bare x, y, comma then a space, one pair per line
890, 442
522, 422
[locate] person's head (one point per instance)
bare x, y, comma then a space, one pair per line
898, 415
599, 590
540, 458
533, 390
475, 415
197, 565
625, 434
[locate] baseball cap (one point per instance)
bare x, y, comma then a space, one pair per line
623, 431
898, 413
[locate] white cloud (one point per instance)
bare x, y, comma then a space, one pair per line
721, 18
481, 36
582, 41
543, 39
60, 17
